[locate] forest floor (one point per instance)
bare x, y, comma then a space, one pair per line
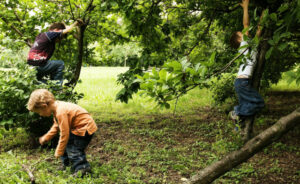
137, 145
165, 148
173, 147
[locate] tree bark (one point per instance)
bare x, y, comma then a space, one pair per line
75, 78
82, 29
257, 75
265, 138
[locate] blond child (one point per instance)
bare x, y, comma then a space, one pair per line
75, 124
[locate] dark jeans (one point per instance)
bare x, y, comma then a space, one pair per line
74, 152
250, 101
53, 68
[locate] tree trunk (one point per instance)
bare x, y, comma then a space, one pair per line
265, 138
261, 59
76, 76
257, 75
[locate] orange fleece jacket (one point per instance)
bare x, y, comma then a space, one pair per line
70, 118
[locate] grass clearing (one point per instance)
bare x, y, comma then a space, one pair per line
99, 85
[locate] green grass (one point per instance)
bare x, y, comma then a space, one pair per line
100, 89
283, 85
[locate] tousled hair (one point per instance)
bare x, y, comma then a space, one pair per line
38, 98
57, 25
234, 40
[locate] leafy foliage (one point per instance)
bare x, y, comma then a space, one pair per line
174, 79
172, 31
16, 85
164, 31
222, 88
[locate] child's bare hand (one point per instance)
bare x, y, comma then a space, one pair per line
80, 22
41, 140
245, 3
57, 156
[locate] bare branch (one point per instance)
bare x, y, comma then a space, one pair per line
31, 176
88, 9
230, 62
72, 10
17, 16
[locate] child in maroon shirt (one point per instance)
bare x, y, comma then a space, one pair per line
43, 48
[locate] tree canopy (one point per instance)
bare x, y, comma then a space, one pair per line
185, 41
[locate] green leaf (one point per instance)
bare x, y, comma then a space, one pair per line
212, 59
269, 52
154, 72
167, 105
282, 46
203, 71
273, 17
283, 8
271, 42
175, 65
163, 74
286, 35
184, 64
256, 18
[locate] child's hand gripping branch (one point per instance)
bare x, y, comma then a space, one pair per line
75, 125
80, 22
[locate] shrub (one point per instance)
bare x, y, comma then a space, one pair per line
222, 88
16, 85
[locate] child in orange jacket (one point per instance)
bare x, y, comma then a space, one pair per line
75, 124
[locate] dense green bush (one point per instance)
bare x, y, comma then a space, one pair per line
16, 85
222, 88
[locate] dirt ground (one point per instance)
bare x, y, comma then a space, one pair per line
279, 163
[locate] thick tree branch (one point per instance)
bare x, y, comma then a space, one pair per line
265, 138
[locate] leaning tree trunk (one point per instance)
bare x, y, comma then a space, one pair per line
265, 138
76, 76
257, 75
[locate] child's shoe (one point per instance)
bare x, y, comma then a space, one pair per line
82, 172
234, 116
62, 168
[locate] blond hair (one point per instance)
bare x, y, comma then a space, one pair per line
40, 97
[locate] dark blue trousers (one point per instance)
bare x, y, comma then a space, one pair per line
74, 153
250, 101
54, 69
